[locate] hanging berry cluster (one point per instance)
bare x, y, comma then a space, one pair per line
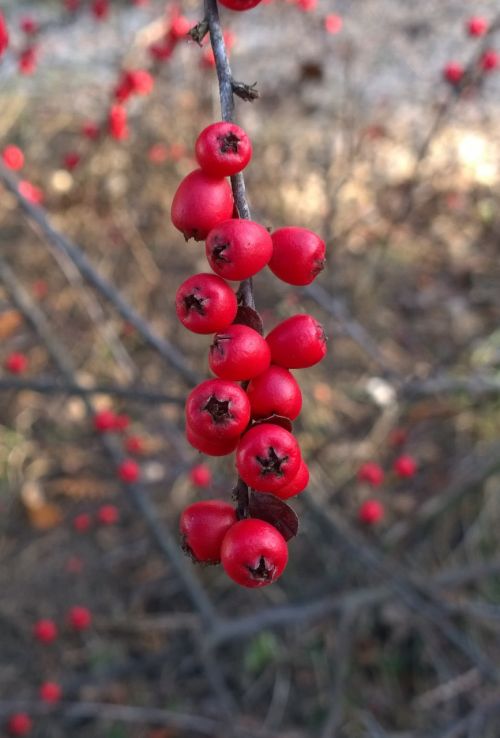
250, 404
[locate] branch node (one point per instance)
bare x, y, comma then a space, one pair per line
249, 93
199, 31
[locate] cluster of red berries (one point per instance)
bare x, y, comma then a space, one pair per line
454, 72
107, 421
372, 511
222, 416
106, 515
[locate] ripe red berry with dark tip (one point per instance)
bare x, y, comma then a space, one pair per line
275, 392
489, 60
134, 445
239, 353
128, 471
108, 515
239, 4
200, 475
104, 421
296, 485
117, 123
79, 618
453, 73
297, 343
210, 446
223, 149
82, 522
371, 512
237, 249
267, 457
19, 724
16, 363
50, 692
13, 157
203, 526
254, 553
45, 631
200, 203
218, 409
204, 303
371, 473
477, 26
298, 255
405, 466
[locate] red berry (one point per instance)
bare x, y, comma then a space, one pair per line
71, 160
204, 303
82, 522
158, 153
223, 149
239, 353
275, 392
453, 73
16, 363
297, 342
104, 421
200, 203
296, 485
237, 249
28, 60
128, 471
203, 526
50, 692
371, 512
19, 724
398, 437
72, 5
121, 422
200, 475
117, 122
218, 409
139, 81
254, 553
489, 61
267, 457
333, 23
405, 467
371, 473
477, 26
45, 631
80, 618
134, 445
298, 255
239, 4
100, 9
108, 515
210, 446
4, 34
28, 25
179, 28
13, 157
90, 130
31, 192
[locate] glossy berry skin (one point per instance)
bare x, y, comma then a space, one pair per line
254, 553
477, 26
239, 353
275, 392
223, 149
13, 157
453, 73
45, 631
405, 467
297, 343
50, 692
200, 203
80, 618
371, 473
16, 363
218, 409
371, 512
203, 526
204, 303
108, 515
267, 457
201, 476
19, 724
128, 471
210, 446
237, 249
239, 4
298, 255
296, 485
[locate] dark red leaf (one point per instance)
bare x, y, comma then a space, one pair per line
274, 511
285, 423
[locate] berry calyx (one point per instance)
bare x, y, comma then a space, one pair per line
371, 512
204, 303
239, 353
45, 631
254, 553
371, 473
19, 724
237, 249
297, 343
203, 526
50, 692
79, 618
218, 409
298, 255
405, 467
267, 457
200, 203
201, 476
274, 392
223, 149
128, 471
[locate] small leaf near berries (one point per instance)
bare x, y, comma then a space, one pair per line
276, 512
199, 31
251, 318
280, 420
